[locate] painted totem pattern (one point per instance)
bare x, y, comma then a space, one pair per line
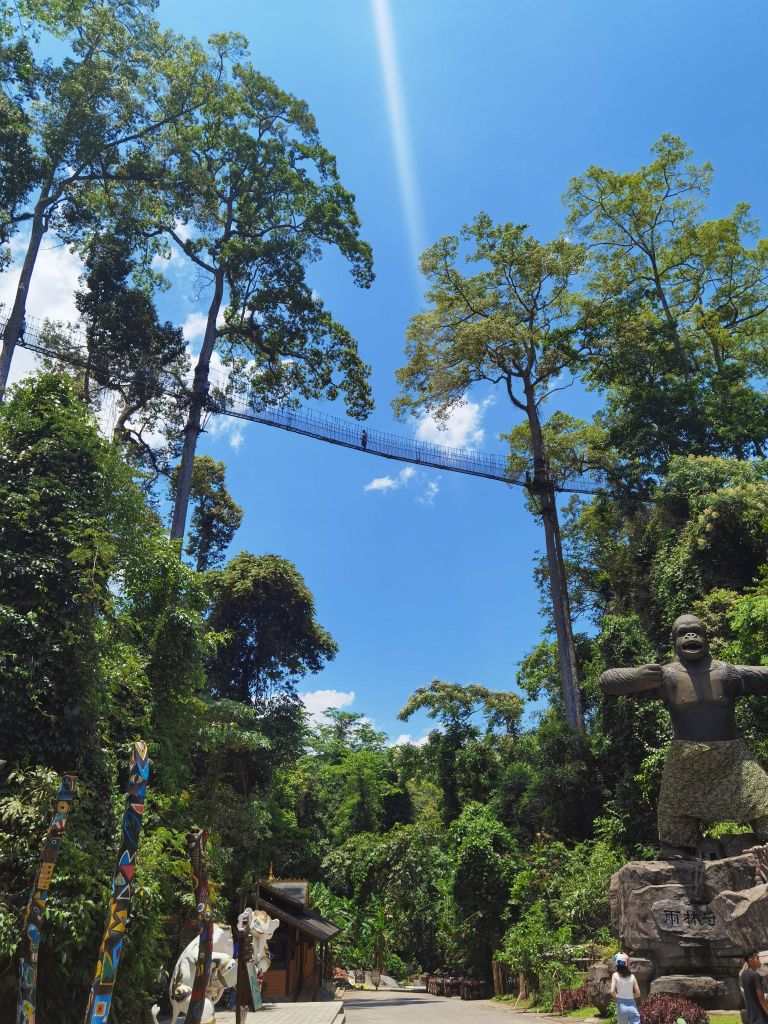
100, 999
38, 894
196, 842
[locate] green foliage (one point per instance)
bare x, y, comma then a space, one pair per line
574, 447
499, 834
129, 352
270, 637
482, 870
559, 898
538, 951
675, 310
454, 706
102, 640
65, 496
215, 515
509, 323
246, 191
78, 126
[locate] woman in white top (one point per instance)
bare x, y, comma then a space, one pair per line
625, 990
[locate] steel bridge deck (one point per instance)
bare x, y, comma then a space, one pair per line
348, 433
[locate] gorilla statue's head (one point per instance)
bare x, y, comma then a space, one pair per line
689, 637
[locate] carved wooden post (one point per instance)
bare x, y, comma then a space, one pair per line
243, 996
196, 842
38, 894
111, 948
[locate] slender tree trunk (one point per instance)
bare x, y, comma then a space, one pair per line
542, 487
195, 415
567, 610
16, 316
672, 330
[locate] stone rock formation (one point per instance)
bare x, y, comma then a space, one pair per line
599, 981
686, 924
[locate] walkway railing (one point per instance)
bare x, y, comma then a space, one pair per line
347, 433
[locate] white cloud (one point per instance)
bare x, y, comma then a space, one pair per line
228, 429
194, 326
51, 292
388, 483
430, 493
405, 739
54, 282
317, 703
184, 231
461, 429
381, 483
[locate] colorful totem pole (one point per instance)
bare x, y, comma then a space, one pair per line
103, 985
196, 842
38, 894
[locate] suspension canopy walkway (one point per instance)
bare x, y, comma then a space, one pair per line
346, 433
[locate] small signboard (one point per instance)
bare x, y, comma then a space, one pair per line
253, 978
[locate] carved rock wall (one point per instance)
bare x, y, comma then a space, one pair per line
692, 920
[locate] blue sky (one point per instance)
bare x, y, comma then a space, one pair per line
437, 109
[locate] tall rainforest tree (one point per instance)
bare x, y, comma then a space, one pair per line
454, 705
216, 516
131, 356
677, 310
268, 638
251, 198
103, 639
21, 24
511, 324
77, 128
267, 615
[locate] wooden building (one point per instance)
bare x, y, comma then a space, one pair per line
299, 947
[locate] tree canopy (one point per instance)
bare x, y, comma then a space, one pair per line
511, 324
676, 309
80, 126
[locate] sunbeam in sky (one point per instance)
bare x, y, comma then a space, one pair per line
398, 123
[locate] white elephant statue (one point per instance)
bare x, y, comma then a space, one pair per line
262, 927
223, 964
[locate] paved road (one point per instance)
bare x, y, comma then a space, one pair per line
421, 1008
290, 1013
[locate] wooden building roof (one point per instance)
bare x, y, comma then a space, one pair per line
286, 909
